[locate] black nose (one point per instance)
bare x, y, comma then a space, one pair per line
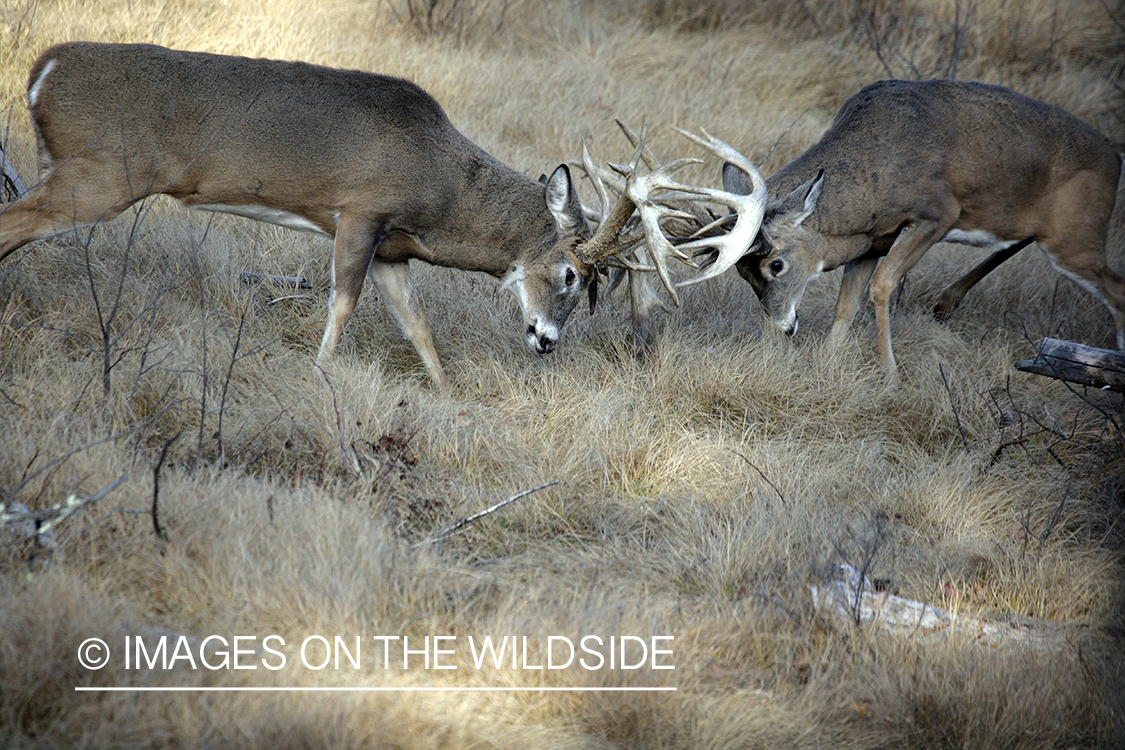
543, 344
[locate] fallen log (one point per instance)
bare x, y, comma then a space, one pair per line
850, 598
249, 277
1076, 363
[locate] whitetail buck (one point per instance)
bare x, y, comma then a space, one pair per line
370, 160
907, 164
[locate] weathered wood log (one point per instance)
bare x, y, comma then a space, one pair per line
850, 598
1076, 363
249, 277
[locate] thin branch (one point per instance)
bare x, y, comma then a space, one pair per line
54, 462
344, 454
161, 533
762, 474
40, 524
777, 141
953, 405
234, 357
249, 277
448, 531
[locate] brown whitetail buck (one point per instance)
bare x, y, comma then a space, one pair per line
368, 159
907, 164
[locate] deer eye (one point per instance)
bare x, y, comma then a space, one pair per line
777, 267
570, 277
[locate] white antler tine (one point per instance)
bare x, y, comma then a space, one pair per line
660, 248
729, 153
713, 225
625, 170
734, 244
650, 196
606, 241
677, 165
749, 209
641, 188
649, 157
675, 213
608, 177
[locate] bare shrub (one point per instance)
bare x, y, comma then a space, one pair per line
460, 21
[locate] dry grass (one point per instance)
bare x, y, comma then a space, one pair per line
700, 489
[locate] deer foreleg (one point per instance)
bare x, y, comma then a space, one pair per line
852, 286
396, 286
908, 248
643, 300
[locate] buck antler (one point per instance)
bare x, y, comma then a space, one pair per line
749, 211
655, 197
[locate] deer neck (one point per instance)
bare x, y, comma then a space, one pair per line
491, 216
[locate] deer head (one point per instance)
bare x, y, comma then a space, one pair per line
549, 284
786, 255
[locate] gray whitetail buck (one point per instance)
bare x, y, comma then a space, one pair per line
907, 164
370, 160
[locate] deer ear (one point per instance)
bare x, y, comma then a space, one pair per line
797, 206
562, 200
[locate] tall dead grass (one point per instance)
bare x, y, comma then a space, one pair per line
700, 487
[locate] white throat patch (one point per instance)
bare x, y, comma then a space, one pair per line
514, 283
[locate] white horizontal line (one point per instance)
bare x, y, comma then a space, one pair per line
367, 689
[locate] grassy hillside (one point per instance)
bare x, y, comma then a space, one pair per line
696, 491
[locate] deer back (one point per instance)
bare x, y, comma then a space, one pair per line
900, 151
216, 130
895, 145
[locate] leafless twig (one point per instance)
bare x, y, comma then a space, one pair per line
161, 533
345, 454
762, 474
953, 405
300, 282
11, 186
449, 530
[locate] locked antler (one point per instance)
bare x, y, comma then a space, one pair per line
656, 197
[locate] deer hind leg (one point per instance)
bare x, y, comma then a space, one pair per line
396, 286
68, 199
852, 286
355, 247
952, 295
